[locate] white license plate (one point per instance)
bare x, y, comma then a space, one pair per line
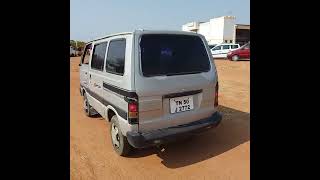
181, 104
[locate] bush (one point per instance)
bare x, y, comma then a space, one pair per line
80, 45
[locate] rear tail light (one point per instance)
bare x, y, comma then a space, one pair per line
133, 112
216, 94
133, 107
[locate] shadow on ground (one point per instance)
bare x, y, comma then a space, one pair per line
233, 131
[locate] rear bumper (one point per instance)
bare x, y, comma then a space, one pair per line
141, 140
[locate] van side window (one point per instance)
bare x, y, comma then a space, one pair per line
99, 53
116, 56
86, 55
225, 47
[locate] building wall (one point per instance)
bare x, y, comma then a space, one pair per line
204, 29
242, 35
216, 30
192, 26
229, 29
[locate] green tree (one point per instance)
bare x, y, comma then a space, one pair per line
79, 45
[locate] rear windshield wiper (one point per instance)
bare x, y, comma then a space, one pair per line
183, 73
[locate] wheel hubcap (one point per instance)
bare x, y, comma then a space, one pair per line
115, 135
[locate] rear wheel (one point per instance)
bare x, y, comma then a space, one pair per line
119, 141
235, 58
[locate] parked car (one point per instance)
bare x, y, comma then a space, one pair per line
221, 50
79, 53
241, 53
212, 46
152, 86
72, 52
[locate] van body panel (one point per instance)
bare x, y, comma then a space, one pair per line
84, 68
154, 107
106, 99
84, 81
108, 91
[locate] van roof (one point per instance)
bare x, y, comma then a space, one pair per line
110, 35
142, 31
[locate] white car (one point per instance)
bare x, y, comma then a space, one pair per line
221, 50
72, 52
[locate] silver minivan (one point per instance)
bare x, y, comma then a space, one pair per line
152, 86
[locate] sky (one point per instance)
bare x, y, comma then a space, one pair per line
94, 18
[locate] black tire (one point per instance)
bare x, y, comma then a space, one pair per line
88, 109
124, 147
235, 58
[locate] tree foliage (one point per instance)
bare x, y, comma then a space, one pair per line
80, 45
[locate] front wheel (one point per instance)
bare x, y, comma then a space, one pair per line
119, 141
235, 58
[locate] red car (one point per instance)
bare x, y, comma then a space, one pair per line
241, 53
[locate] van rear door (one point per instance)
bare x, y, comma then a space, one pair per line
84, 66
175, 80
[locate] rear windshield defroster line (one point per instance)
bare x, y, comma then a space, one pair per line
168, 54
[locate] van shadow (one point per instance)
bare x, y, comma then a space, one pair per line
233, 131
97, 117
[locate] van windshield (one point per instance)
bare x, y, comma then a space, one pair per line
165, 54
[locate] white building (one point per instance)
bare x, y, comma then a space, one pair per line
221, 30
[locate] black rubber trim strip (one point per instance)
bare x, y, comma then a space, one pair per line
121, 112
120, 91
187, 93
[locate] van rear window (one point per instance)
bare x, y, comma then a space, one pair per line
167, 54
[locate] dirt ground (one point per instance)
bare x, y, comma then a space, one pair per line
223, 153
